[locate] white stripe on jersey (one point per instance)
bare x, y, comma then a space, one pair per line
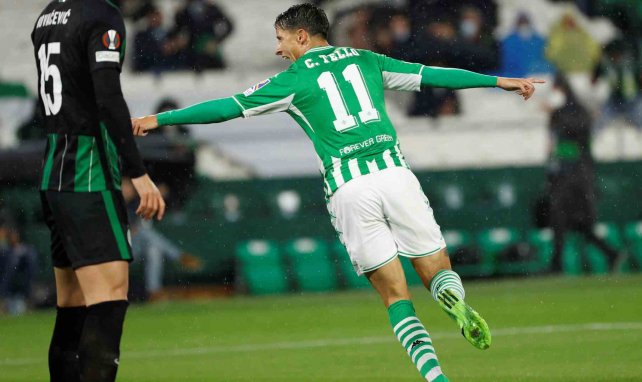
401, 81
336, 172
274, 107
372, 166
388, 159
353, 165
296, 111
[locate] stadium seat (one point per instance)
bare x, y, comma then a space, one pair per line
596, 260
311, 265
464, 255
493, 243
535, 254
346, 270
633, 236
261, 269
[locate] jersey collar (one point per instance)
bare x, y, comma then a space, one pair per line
318, 49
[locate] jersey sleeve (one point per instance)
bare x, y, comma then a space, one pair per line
397, 74
272, 95
105, 39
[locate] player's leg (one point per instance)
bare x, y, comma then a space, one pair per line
447, 289
94, 228
63, 358
357, 215
390, 282
71, 311
105, 289
419, 238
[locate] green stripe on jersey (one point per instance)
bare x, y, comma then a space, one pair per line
112, 156
46, 173
116, 227
89, 173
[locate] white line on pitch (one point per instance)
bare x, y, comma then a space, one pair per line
605, 326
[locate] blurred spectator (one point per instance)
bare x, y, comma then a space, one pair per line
31, 128
479, 50
571, 49
232, 208
571, 173
174, 131
152, 247
204, 26
622, 71
16, 258
154, 50
522, 50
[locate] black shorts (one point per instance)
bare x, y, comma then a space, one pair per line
86, 227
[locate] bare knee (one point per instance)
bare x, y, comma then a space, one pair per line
70, 297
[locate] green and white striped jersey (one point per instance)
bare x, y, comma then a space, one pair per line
336, 95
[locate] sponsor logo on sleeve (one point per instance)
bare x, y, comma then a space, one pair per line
256, 87
107, 56
111, 39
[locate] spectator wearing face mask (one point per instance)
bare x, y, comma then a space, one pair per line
479, 51
522, 51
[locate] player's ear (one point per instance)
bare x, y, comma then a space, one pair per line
301, 36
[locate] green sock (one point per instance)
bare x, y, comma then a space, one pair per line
446, 279
415, 339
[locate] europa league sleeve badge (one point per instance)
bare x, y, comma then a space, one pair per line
111, 39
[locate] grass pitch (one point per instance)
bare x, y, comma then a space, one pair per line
545, 329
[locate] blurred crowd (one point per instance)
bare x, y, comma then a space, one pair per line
191, 41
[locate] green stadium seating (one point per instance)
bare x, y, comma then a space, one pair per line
260, 267
346, 270
596, 260
311, 266
492, 243
539, 245
460, 244
633, 235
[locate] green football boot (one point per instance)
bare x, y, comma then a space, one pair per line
473, 327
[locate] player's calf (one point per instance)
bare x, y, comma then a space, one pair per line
415, 339
99, 348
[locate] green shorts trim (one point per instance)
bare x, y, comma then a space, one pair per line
404, 254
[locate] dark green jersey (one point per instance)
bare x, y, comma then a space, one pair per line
71, 40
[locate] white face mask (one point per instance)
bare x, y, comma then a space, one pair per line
525, 32
469, 28
557, 99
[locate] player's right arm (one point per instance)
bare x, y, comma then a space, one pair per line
272, 95
401, 75
106, 35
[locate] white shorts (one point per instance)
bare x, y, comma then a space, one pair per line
384, 214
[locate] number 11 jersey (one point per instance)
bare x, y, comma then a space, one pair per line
336, 95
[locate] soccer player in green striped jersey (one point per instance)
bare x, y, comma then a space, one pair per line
336, 95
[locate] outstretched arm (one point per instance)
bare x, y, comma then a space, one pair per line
464, 79
214, 111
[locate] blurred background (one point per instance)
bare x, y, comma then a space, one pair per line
246, 207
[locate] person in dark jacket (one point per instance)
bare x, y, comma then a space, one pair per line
572, 175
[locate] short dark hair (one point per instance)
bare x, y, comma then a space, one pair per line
304, 16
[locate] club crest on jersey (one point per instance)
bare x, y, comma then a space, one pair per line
111, 39
256, 87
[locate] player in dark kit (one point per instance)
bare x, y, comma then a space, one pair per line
79, 46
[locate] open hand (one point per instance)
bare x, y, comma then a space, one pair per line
522, 86
151, 201
142, 125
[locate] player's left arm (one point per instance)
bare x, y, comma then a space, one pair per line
401, 75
